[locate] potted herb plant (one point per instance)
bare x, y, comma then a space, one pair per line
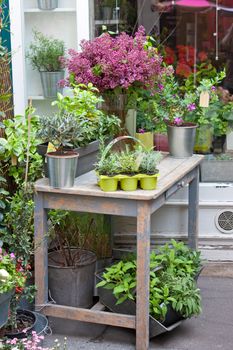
97, 126
61, 130
10, 278
148, 169
44, 54
47, 4
173, 291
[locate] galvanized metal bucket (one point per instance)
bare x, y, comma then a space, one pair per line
181, 140
62, 169
72, 285
47, 4
49, 81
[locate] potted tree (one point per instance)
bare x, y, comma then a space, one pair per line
44, 54
61, 130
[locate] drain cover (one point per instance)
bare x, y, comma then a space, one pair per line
224, 221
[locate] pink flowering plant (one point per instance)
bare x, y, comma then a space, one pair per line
115, 63
32, 342
10, 276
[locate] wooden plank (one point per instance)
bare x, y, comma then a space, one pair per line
110, 206
143, 266
41, 256
98, 307
171, 171
86, 315
193, 211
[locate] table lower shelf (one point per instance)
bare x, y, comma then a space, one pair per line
94, 315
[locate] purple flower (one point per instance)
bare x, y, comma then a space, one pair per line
141, 131
191, 107
178, 121
160, 86
213, 88
12, 255
109, 62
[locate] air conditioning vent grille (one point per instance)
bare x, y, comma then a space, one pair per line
224, 221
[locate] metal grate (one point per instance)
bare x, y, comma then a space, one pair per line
224, 221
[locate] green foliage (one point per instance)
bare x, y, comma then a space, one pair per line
60, 129
15, 145
149, 161
10, 277
173, 268
83, 105
18, 231
45, 53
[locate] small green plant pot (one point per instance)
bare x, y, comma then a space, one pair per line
129, 183
108, 184
148, 182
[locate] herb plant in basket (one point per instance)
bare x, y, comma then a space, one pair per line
44, 54
61, 130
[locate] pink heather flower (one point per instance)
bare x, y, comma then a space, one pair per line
178, 121
109, 62
191, 107
12, 255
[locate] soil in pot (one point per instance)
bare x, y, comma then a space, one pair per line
25, 321
72, 285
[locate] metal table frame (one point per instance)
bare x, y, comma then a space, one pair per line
139, 204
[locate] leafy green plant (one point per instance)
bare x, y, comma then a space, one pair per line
173, 268
10, 276
60, 129
15, 146
108, 165
45, 53
83, 105
149, 161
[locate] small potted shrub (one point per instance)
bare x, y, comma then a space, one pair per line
44, 54
10, 278
174, 295
98, 127
61, 130
148, 167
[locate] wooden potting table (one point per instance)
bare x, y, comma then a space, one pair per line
86, 196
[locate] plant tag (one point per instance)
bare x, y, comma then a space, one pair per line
14, 160
204, 99
51, 148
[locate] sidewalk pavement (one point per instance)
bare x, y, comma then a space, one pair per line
212, 330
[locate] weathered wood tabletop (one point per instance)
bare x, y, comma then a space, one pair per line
86, 196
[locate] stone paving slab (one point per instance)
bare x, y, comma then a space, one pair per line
212, 330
